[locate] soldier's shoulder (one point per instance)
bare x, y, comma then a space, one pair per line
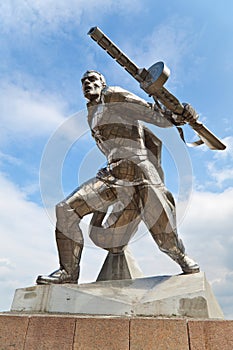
118, 94
114, 89
115, 94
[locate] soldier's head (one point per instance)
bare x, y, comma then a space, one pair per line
93, 83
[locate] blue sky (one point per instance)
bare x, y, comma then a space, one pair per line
46, 149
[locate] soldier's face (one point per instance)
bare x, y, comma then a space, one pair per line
92, 86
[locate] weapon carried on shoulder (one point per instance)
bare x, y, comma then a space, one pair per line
151, 81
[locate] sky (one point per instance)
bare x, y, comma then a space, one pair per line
46, 150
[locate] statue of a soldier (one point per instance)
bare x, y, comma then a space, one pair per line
130, 189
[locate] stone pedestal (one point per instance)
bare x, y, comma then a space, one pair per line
168, 296
62, 332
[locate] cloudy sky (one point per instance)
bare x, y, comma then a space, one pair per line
46, 149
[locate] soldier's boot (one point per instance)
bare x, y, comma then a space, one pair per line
187, 264
170, 244
69, 240
69, 256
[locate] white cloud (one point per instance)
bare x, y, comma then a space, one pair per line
47, 16
221, 168
27, 112
223, 287
26, 248
9, 159
228, 152
170, 41
220, 175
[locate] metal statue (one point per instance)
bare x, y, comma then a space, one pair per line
132, 183
131, 188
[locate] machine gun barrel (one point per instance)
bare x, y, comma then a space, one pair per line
97, 35
151, 81
143, 76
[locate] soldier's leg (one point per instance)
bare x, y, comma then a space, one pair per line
93, 195
112, 231
160, 217
69, 241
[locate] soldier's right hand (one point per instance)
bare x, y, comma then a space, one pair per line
189, 114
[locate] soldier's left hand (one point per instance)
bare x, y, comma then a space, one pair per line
189, 114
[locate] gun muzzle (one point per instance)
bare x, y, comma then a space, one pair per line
114, 51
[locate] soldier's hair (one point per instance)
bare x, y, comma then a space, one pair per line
102, 78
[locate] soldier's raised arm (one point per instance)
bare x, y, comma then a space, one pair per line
132, 107
151, 81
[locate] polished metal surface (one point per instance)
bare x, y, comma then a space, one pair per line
129, 190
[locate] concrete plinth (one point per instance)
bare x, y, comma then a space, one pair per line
169, 296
